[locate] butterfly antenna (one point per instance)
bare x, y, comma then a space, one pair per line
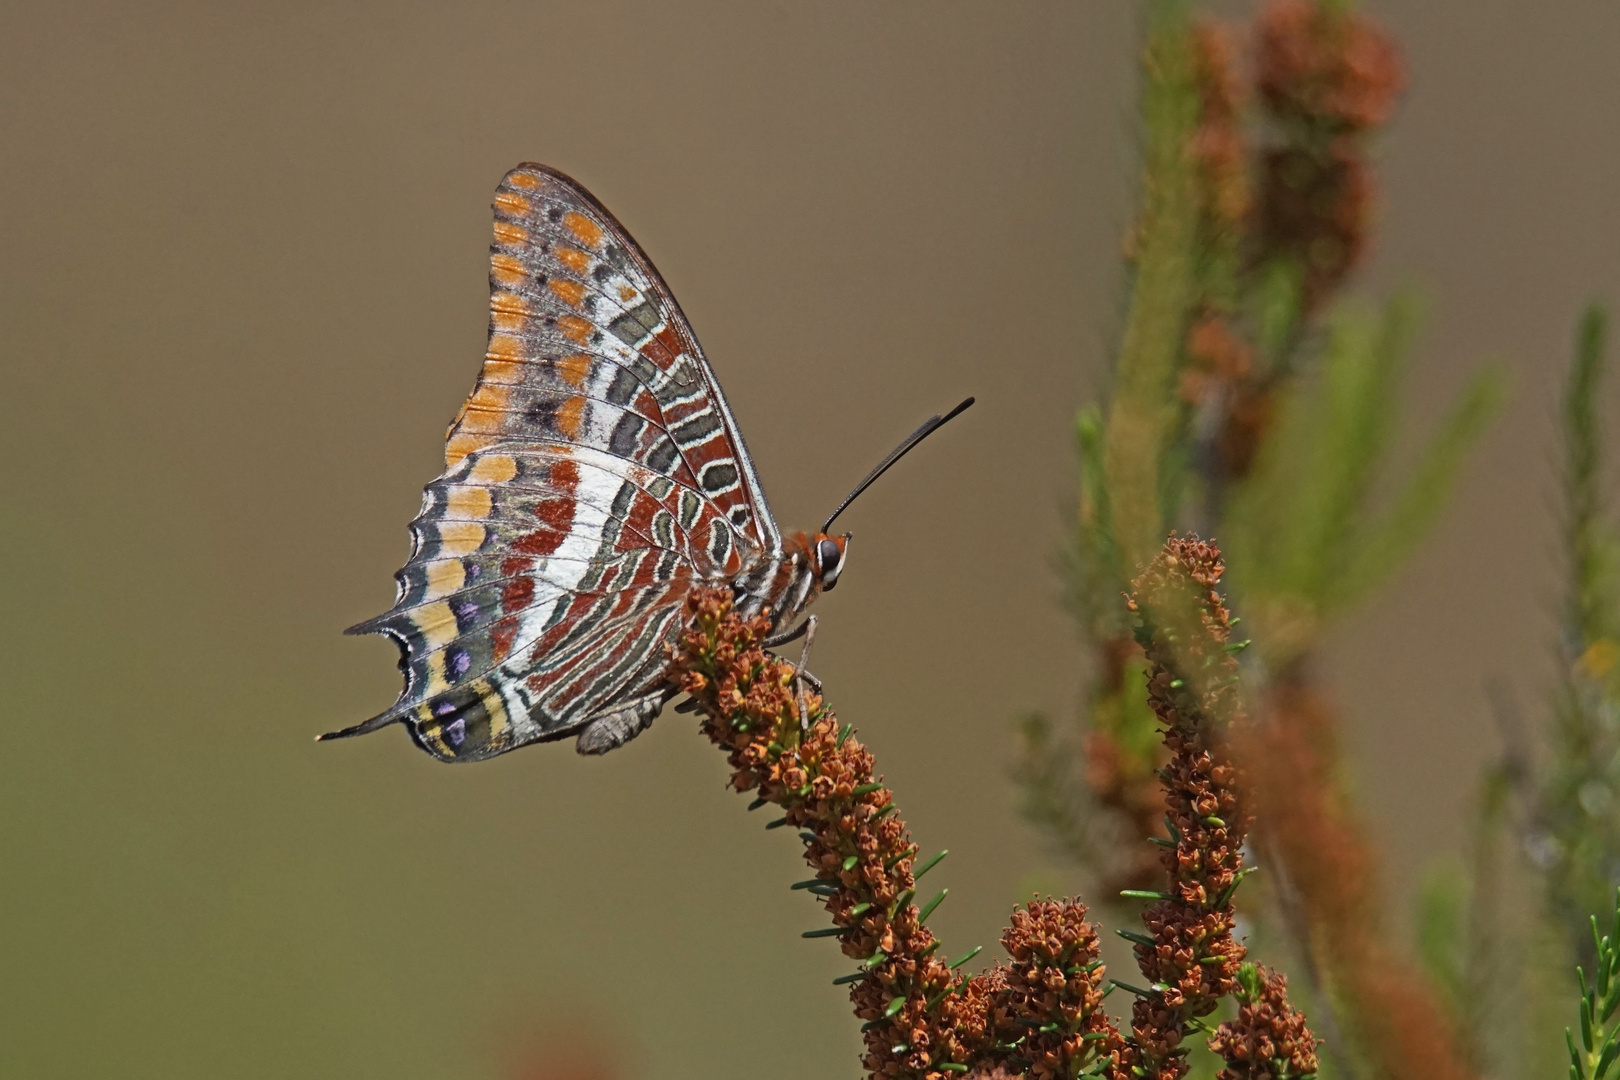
931, 425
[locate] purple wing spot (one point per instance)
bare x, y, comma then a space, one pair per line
455, 732
460, 661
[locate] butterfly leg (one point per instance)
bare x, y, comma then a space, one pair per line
790, 635
802, 676
807, 627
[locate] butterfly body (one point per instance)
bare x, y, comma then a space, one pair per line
592, 479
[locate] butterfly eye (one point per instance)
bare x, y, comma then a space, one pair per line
831, 558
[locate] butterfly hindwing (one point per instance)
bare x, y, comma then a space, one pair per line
543, 587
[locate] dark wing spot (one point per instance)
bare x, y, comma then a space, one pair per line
719, 542
626, 433
696, 429
543, 414
662, 457
622, 390
718, 476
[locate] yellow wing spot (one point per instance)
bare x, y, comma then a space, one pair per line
575, 259
513, 203
496, 706
570, 416
494, 469
626, 293
511, 235
435, 622
504, 347
463, 443
570, 292
436, 682
574, 369
588, 231
526, 181
508, 303
428, 729
574, 328
469, 503
444, 577
457, 538
506, 270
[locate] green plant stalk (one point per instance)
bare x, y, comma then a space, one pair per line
1593, 1046
1143, 415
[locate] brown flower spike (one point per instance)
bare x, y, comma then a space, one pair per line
1038, 1017
1190, 956
1269, 1039
1327, 78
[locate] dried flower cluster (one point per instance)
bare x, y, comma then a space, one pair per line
1190, 956
1269, 1039
1039, 1017
1327, 77
1046, 1006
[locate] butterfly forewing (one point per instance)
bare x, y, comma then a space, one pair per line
588, 347
592, 478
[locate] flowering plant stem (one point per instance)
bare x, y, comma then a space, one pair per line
1040, 1015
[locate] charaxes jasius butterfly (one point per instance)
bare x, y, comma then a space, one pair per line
594, 477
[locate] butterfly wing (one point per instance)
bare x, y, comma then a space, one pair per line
592, 478
587, 346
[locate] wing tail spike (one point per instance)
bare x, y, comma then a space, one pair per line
377, 624
376, 723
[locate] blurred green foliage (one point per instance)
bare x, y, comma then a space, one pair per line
1578, 838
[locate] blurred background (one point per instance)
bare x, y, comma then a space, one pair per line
245, 257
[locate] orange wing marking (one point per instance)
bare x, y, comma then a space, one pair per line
513, 203
506, 270
589, 233
573, 258
570, 292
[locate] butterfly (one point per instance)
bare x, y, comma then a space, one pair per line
594, 477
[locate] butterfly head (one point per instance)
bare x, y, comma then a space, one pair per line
829, 558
